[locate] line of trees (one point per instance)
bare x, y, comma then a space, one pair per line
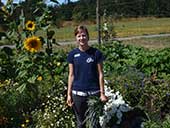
86, 9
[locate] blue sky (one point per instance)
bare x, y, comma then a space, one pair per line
60, 1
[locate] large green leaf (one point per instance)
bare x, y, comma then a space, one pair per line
22, 73
21, 88
32, 79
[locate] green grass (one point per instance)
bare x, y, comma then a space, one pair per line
123, 28
150, 43
130, 27
142, 26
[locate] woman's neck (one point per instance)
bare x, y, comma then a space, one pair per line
84, 48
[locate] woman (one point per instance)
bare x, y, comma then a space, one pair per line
85, 75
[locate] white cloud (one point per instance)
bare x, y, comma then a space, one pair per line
48, 1
15, 1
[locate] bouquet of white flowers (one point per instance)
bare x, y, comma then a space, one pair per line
113, 109
115, 113
109, 113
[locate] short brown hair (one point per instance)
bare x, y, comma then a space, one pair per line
81, 27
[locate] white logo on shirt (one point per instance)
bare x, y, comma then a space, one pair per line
77, 55
89, 60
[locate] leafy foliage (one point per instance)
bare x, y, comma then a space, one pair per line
86, 9
94, 111
33, 84
158, 124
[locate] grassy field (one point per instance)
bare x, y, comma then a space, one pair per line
150, 43
123, 28
127, 28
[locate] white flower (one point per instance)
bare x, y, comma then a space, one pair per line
105, 26
119, 114
114, 107
124, 108
108, 117
106, 82
101, 120
117, 93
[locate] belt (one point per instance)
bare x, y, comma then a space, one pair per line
88, 93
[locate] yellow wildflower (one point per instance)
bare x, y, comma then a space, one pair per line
39, 78
58, 63
27, 120
32, 44
30, 25
23, 125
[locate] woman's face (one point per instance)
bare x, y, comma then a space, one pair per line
82, 38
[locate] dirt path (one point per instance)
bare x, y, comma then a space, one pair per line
120, 39
95, 41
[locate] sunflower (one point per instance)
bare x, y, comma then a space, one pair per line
30, 25
39, 78
32, 44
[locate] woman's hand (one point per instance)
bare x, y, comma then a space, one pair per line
69, 101
103, 98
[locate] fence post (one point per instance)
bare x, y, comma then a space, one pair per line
98, 21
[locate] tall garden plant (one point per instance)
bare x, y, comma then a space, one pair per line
33, 90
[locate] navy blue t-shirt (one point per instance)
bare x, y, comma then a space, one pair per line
86, 76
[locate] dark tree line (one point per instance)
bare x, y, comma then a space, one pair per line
86, 9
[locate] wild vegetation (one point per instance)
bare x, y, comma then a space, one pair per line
86, 9
33, 86
33, 79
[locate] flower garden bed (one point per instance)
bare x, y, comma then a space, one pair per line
33, 81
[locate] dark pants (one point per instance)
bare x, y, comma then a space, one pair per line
80, 107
